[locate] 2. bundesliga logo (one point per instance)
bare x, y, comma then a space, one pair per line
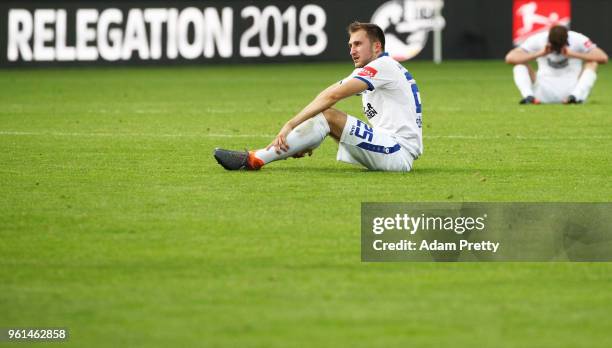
368, 71
407, 24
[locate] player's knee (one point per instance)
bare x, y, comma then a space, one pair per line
336, 120
334, 117
591, 65
520, 67
329, 115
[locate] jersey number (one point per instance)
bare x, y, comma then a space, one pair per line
417, 99
367, 131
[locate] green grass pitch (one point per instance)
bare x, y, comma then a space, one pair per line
116, 221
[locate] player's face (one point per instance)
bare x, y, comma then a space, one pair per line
362, 50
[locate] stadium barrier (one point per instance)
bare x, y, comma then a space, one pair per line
89, 32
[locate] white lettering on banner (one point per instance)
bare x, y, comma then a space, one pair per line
271, 13
20, 31
219, 32
156, 18
271, 16
135, 36
62, 51
85, 34
289, 17
172, 46
43, 34
315, 29
109, 39
190, 17
245, 49
114, 34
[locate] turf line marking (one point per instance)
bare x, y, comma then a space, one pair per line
215, 135
153, 135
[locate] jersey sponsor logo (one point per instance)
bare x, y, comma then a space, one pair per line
558, 64
368, 71
588, 44
534, 16
369, 111
407, 25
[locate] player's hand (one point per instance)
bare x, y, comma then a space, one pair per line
545, 51
303, 153
567, 52
280, 142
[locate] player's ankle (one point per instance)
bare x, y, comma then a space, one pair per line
253, 162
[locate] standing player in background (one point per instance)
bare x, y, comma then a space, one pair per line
391, 102
567, 67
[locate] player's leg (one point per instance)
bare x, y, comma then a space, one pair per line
524, 78
372, 148
307, 136
301, 140
304, 138
336, 120
585, 83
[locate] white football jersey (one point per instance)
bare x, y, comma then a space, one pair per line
392, 102
554, 64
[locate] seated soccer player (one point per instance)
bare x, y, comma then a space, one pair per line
391, 103
567, 67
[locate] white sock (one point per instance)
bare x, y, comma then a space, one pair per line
306, 136
585, 84
523, 80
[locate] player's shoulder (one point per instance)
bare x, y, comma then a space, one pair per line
539, 36
384, 64
576, 37
579, 41
381, 61
539, 39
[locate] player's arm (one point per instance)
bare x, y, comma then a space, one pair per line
519, 56
594, 55
325, 100
328, 98
331, 87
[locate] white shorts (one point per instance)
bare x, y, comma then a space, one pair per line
372, 148
549, 89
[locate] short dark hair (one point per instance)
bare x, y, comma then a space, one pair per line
557, 38
372, 30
